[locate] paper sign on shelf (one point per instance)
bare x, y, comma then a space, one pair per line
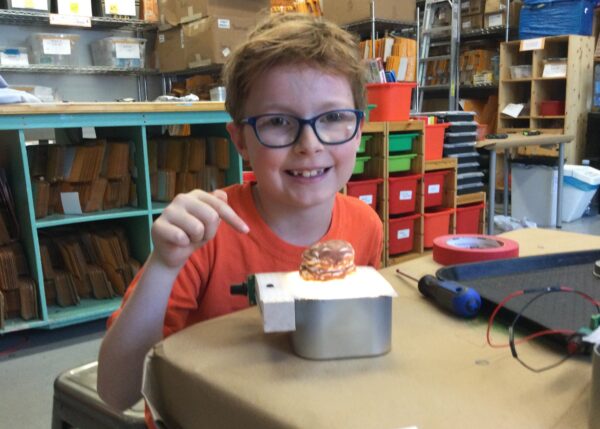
70, 20
513, 110
70, 203
532, 44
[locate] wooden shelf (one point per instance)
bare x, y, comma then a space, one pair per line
441, 164
575, 89
476, 197
527, 79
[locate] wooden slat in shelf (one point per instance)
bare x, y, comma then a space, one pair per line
522, 79
441, 164
405, 126
476, 197
373, 127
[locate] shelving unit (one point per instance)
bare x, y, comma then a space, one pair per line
134, 122
575, 89
14, 19
378, 167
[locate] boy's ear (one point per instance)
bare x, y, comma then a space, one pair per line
236, 132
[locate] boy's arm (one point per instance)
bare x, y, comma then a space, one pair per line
186, 224
138, 327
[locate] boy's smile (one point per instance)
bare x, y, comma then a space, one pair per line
307, 174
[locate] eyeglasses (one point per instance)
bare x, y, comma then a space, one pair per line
277, 130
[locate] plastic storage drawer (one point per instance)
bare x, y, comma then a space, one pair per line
399, 163
401, 234
54, 49
364, 139
462, 127
434, 187
469, 218
436, 222
401, 142
119, 52
403, 194
365, 190
359, 166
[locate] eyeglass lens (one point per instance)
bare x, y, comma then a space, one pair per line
330, 127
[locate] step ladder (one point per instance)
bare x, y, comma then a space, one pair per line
432, 9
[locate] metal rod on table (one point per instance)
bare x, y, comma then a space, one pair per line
559, 189
491, 191
506, 176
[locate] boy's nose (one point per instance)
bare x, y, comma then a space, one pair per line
308, 140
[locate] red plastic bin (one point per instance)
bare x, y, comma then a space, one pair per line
434, 187
552, 108
403, 193
364, 190
248, 177
468, 218
434, 141
392, 99
402, 234
436, 223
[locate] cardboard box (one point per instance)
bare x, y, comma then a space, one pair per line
349, 11
471, 22
74, 7
499, 18
174, 12
199, 43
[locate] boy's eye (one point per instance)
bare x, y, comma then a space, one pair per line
278, 121
334, 117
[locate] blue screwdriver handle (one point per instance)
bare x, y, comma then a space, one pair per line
454, 297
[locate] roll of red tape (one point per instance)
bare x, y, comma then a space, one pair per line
465, 248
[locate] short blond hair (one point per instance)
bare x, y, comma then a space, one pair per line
286, 39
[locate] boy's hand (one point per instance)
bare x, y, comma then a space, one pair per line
188, 222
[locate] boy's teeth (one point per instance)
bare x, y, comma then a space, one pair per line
307, 173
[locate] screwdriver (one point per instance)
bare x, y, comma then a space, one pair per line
454, 297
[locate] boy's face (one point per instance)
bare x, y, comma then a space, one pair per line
308, 173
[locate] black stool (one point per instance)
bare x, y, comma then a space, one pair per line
77, 404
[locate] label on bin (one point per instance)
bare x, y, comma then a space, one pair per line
30, 4
127, 50
433, 189
366, 198
56, 46
403, 233
405, 195
119, 7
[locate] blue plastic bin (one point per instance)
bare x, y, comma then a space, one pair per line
565, 16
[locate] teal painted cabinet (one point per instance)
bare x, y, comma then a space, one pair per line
132, 122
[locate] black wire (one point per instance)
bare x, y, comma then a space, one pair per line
543, 292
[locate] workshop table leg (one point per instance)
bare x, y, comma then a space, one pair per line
561, 167
491, 191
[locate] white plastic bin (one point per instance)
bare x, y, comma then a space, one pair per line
534, 188
580, 185
533, 193
120, 52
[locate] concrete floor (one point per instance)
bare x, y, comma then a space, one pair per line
31, 360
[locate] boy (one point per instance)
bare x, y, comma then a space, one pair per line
295, 92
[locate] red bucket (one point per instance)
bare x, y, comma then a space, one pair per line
392, 100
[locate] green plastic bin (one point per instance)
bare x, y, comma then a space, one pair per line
359, 166
363, 142
399, 163
402, 142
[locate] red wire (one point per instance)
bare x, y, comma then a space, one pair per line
534, 335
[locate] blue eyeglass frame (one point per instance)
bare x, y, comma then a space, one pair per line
251, 120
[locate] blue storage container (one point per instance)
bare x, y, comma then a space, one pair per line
541, 18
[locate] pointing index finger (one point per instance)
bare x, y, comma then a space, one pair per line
231, 217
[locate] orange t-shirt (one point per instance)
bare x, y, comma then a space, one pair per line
202, 288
